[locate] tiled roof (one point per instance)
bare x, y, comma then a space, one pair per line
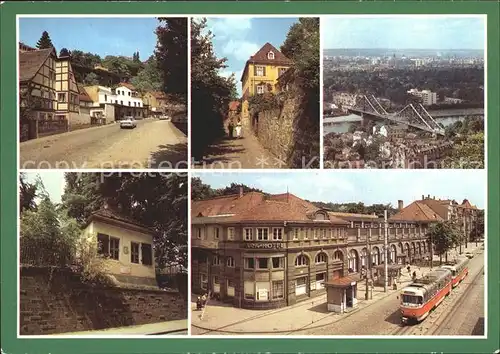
353, 216
343, 282
439, 206
127, 85
255, 206
417, 211
31, 62
107, 213
84, 96
261, 58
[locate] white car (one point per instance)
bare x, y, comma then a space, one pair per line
128, 122
164, 117
469, 255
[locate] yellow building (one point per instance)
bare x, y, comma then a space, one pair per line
261, 73
68, 96
127, 246
157, 102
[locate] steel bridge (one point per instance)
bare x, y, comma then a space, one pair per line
413, 115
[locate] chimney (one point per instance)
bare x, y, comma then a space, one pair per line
423, 197
428, 196
241, 192
400, 204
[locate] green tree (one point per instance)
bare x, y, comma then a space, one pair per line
91, 79
44, 42
149, 78
118, 65
210, 92
200, 190
87, 60
27, 194
64, 53
468, 153
477, 231
172, 54
444, 236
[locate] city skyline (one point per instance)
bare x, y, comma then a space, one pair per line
110, 36
398, 32
352, 187
238, 38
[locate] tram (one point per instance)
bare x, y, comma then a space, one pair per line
459, 270
424, 294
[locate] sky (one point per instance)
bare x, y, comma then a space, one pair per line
407, 32
53, 182
103, 36
367, 186
238, 38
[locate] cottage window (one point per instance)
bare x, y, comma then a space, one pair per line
270, 55
262, 263
147, 254
260, 71
260, 89
278, 262
203, 281
108, 246
277, 233
278, 289
61, 97
134, 252
230, 233
230, 262
216, 233
262, 234
248, 234
114, 248
301, 260
249, 263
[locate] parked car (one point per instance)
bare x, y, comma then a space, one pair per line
128, 122
164, 117
469, 255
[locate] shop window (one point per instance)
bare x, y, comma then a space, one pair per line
278, 262
262, 263
249, 287
278, 289
262, 291
203, 281
249, 263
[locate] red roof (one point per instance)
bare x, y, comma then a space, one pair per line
84, 96
256, 206
127, 85
261, 58
417, 211
233, 106
343, 282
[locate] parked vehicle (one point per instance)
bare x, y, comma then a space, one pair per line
128, 122
469, 255
425, 294
164, 117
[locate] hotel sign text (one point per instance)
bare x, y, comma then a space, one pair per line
263, 245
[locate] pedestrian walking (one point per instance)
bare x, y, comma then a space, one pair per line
414, 276
230, 127
238, 129
409, 270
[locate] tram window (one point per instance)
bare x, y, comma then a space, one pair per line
454, 273
410, 299
420, 300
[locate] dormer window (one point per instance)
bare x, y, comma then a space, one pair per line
270, 55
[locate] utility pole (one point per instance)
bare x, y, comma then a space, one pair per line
386, 251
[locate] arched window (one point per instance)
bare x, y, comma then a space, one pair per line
301, 260
270, 55
321, 258
230, 262
216, 261
338, 256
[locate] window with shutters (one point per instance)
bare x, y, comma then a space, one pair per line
260, 71
103, 244
134, 252
147, 254
114, 248
108, 246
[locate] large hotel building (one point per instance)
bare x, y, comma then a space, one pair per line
257, 250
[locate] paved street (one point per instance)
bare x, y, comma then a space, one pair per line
176, 327
246, 152
153, 144
377, 316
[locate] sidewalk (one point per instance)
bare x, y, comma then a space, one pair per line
221, 317
170, 327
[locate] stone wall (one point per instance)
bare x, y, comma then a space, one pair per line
56, 301
275, 129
